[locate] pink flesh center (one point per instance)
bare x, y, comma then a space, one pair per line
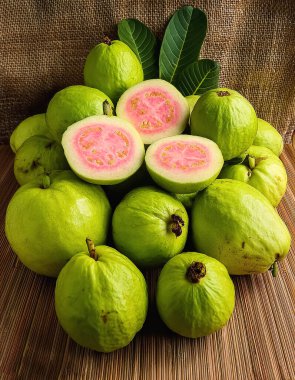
183, 156
153, 110
103, 146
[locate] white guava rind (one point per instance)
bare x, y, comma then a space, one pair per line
142, 226
47, 226
194, 309
176, 129
110, 176
234, 223
229, 120
101, 304
38, 155
268, 137
31, 126
185, 183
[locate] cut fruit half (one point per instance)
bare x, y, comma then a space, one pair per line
184, 164
103, 149
155, 108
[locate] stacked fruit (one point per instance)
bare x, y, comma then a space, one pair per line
154, 173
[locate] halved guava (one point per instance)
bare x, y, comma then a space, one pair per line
103, 149
226, 117
31, 126
73, 104
38, 155
184, 164
155, 108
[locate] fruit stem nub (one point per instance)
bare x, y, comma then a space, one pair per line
107, 108
107, 40
195, 272
45, 182
274, 269
176, 224
222, 93
91, 249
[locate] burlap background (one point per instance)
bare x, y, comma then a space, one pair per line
44, 44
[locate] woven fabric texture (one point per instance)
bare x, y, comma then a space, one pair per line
44, 45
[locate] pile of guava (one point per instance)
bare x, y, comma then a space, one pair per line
149, 163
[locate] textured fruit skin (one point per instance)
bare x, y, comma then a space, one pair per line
268, 175
101, 304
234, 223
228, 120
46, 227
192, 100
110, 176
269, 137
31, 126
190, 184
38, 155
186, 199
72, 104
112, 69
195, 309
142, 226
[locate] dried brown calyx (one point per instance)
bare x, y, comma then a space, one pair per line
195, 272
222, 93
176, 224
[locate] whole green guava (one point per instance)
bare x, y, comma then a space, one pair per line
48, 218
268, 137
101, 299
149, 226
31, 126
261, 169
195, 295
226, 117
38, 155
234, 223
112, 67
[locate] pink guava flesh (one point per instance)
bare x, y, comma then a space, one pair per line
155, 108
183, 164
103, 150
183, 156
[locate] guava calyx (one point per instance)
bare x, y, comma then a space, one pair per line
176, 224
91, 249
195, 272
45, 182
107, 40
222, 93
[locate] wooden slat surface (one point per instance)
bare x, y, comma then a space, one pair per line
258, 342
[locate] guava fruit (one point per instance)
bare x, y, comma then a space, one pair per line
103, 149
31, 126
48, 218
112, 67
73, 104
192, 100
226, 117
101, 299
149, 226
183, 164
262, 170
155, 108
269, 137
234, 223
186, 199
195, 295
38, 155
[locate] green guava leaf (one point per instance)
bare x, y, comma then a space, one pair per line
199, 77
143, 43
182, 42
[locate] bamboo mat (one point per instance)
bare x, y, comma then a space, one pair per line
257, 343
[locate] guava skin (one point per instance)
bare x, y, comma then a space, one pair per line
234, 223
186, 199
195, 309
226, 117
38, 155
268, 137
73, 104
47, 224
192, 100
31, 126
101, 304
145, 226
265, 172
112, 67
